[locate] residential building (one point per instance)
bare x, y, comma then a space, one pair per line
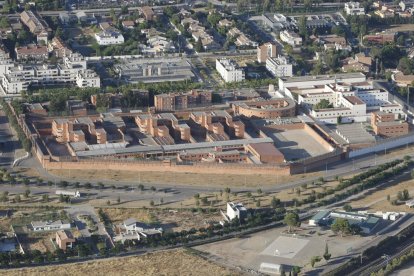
381, 38
71, 71
279, 67
235, 211
265, 51
241, 40
179, 101
64, 239
354, 8
402, 80
39, 226
147, 12
128, 24
229, 70
58, 48
360, 63
32, 52
5, 62
334, 42
36, 24
109, 37
387, 124
291, 38
225, 23
87, 78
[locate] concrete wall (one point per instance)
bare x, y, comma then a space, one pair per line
169, 167
384, 145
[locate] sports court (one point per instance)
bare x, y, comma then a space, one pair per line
285, 247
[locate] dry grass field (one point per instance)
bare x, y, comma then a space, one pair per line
168, 219
176, 262
212, 180
377, 201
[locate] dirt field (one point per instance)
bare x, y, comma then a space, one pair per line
177, 262
169, 220
213, 180
401, 28
377, 201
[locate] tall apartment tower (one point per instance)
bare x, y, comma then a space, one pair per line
265, 51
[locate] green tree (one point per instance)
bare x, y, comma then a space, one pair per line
341, 225
213, 18
292, 220
275, 202
303, 30
314, 260
323, 104
4, 22
347, 208
326, 255
199, 45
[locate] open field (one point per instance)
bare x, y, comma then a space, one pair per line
377, 200
175, 262
401, 28
276, 246
153, 178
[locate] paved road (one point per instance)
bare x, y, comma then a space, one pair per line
177, 192
8, 143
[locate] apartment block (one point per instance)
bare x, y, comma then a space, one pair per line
179, 101
279, 67
229, 70
291, 38
32, 52
354, 8
109, 37
385, 125
71, 71
267, 50
36, 24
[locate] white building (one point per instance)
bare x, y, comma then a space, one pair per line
109, 37
50, 225
5, 63
279, 67
235, 210
351, 102
132, 226
291, 38
320, 80
354, 8
72, 71
87, 78
229, 70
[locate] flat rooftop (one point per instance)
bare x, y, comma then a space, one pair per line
323, 77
